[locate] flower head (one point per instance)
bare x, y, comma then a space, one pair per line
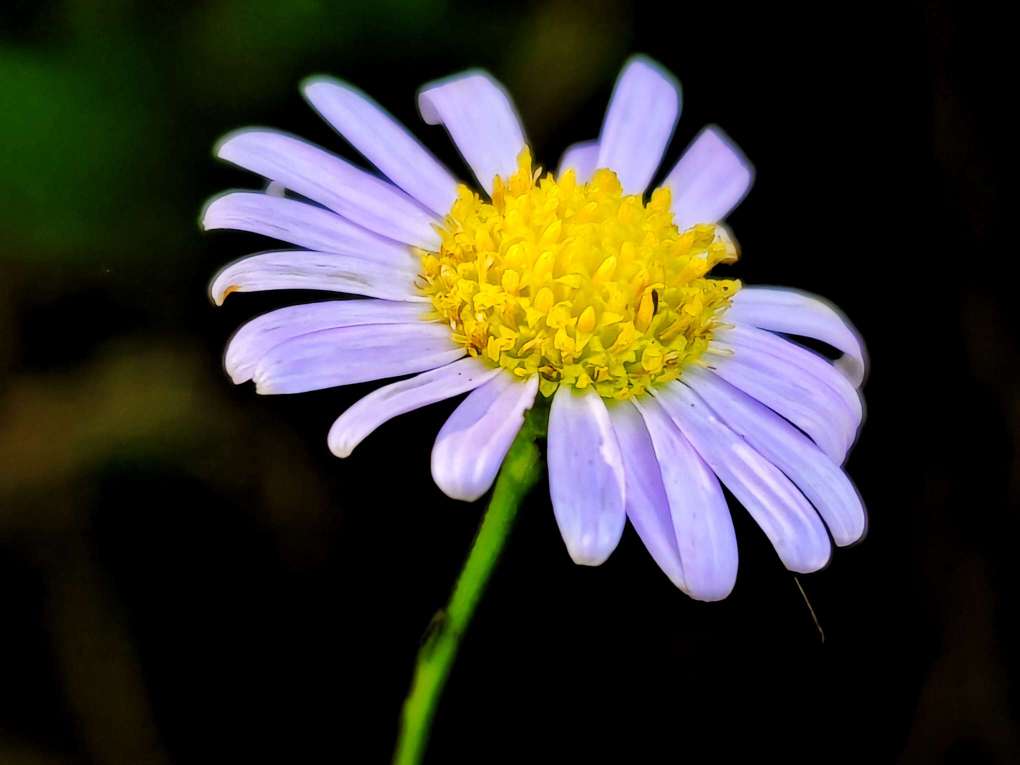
572, 286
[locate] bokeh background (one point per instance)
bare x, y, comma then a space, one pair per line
187, 575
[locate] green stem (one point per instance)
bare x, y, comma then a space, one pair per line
520, 471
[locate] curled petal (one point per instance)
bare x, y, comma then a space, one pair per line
383, 404
481, 120
301, 270
790, 523
349, 355
710, 180
255, 338
804, 400
818, 477
471, 445
744, 336
586, 478
325, 178
639, 122
799, 313
385, 142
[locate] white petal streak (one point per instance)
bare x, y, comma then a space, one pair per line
255, 338
349, 355
582, 158
790, 523
818, 477
639, 122
474, 440
481, 120
387, 402
325, 178
586, 479
385, 142
303, 270
307, 226
701, 519
745, 336
801, 398
710, 180
800, 313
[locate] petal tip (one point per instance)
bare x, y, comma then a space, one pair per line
722, 137
711, 593
316, 82
588, 557
457, 491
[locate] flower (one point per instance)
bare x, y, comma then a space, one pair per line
663, 381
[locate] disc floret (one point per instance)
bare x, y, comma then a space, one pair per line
577, 282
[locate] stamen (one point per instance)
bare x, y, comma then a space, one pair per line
576, 282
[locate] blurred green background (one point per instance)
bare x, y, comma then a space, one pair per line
188, 576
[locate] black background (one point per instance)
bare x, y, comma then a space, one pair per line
191, 577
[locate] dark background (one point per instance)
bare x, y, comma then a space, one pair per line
187, 575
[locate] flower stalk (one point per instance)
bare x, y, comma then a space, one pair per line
519, 473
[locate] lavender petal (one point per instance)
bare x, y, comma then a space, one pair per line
804, 400
581, 158
649, 510
481, 120
385, 142
307, 226
302, 270
639, 122
701, 519
251, 342
799, 313
383, 404
746, 336
820, 479
325, 178
782, 512
710, 180
474, 440
586, 479
346, 355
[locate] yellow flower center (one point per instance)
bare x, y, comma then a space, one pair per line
577, 283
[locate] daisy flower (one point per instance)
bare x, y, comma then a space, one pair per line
582, 289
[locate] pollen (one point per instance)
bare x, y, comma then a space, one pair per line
577, 282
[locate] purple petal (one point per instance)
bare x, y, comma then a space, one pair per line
701, 519
639, 123
581, 158
310, 227
586, 479
744, 336
805, 401
481, 120
385, 142
472, 444
710, 180
790, 523
255, 338
383, 404
647, 505
302, 270
818, 477
698, 574
799, 313
325, 178
349, 355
